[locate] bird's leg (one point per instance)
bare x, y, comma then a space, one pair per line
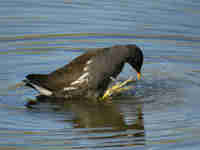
117, 88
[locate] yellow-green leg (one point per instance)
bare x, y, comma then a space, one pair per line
117, 88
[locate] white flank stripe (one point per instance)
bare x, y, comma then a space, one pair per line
75, 82
42, 90
83, 76
85, 68
81, 79
69, 88
89, 62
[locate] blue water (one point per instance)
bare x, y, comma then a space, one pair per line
40, 36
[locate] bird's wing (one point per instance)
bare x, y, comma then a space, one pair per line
63, 77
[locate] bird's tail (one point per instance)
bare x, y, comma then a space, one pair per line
38, 79
38, 82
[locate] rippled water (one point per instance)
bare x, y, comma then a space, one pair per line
39, 36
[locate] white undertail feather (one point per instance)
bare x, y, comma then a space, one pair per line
42, 90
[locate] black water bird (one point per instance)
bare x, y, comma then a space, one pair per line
88, 75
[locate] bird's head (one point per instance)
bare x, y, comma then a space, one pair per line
135, 59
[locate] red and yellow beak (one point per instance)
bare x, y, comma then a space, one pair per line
138, 76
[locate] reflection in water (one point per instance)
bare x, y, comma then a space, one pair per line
38, 36
104, 121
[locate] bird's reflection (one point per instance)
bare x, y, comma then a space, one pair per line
104, 117
94, 115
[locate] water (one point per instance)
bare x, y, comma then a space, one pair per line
40, 36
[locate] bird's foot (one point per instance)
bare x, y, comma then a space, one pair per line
117, 88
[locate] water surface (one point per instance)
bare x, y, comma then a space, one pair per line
40, 36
